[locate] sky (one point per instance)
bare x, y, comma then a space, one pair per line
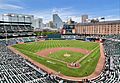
110, 9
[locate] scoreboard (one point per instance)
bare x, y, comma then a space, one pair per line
68, 29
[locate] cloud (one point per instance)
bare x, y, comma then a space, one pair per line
107, 17
11, 4
112, 17
59, 10
10, 7
45, 14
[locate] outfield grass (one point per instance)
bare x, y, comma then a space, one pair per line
88, 65
37, 46
74, 56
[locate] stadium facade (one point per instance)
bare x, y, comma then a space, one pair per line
98, 28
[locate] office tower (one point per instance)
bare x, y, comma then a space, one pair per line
51, 24
57, 22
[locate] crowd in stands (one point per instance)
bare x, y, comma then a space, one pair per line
13, 41
16, 69
14, 28
111, 71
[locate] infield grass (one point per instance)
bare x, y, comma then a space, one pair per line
72, 56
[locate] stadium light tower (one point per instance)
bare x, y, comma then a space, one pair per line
11, 15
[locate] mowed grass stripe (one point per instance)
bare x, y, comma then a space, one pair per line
37, 46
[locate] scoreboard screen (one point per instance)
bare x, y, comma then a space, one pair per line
68, 29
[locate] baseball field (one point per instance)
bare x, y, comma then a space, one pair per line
56, 54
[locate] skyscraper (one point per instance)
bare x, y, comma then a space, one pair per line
57, 22
84, 18
51, 24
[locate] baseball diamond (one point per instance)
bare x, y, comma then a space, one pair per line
50, 53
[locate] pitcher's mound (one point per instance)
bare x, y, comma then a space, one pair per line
67, 55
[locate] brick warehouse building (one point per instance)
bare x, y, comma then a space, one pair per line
98, 28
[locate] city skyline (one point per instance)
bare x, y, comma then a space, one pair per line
65, 9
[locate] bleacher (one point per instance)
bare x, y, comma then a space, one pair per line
32, 39
13, 29
12, 41
111, 72
15, 69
